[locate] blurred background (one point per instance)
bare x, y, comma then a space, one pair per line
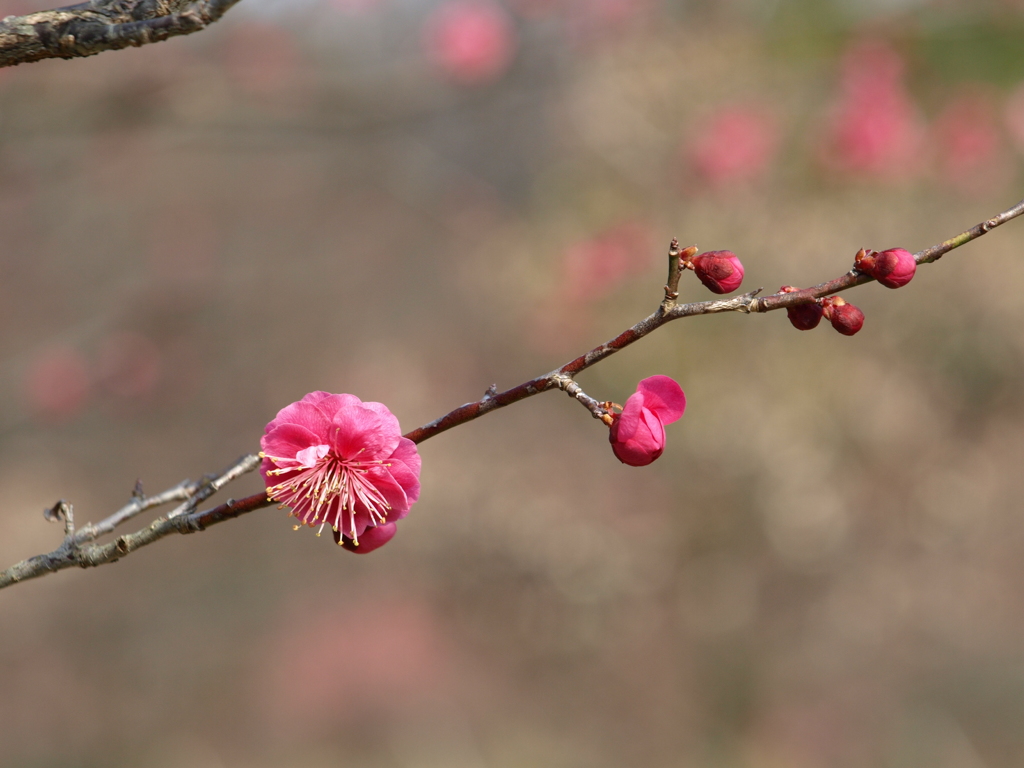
409, 200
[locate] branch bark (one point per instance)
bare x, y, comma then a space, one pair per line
76, 550
92, 27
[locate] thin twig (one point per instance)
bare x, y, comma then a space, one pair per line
136, 506
596, 407
746, 303
184, 518
74, 551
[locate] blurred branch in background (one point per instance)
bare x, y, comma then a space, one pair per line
185, 519
92, 27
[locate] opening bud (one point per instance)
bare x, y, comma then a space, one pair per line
845, 317
637, 434
720, 271
893, 268
804, 317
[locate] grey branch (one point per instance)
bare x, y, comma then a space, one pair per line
89, 28
77, 549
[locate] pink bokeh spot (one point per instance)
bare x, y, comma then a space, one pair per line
638, 434
592, 268
472, 42
369, 658
130, 365
874, 129
737, 144
339, 462
57, 384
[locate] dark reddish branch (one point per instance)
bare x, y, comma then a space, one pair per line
89, 28
200, 521
668, 311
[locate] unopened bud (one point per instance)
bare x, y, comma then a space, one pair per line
893, 268
804, 317
845, 317
720, 271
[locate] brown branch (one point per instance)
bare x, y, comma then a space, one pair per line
89, 28
77, 551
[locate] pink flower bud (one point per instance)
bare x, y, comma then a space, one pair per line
804, 317
845, 317
893, 268
637, 434
720, 271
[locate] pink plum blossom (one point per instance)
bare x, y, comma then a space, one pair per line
340, 462
893, 268
637, 434
720, 271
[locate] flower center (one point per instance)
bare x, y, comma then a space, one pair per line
322, 487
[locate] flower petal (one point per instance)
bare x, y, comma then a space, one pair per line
629, 420
405, 468
308, 457
664, 397
647, 443
330, 404
357, 433
388, 419
371, 539
305, 414
286, 440
389, 487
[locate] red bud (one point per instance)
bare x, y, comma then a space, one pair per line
845, 317
893, 268
804, 317
720, 271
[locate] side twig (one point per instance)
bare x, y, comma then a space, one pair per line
77, 551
